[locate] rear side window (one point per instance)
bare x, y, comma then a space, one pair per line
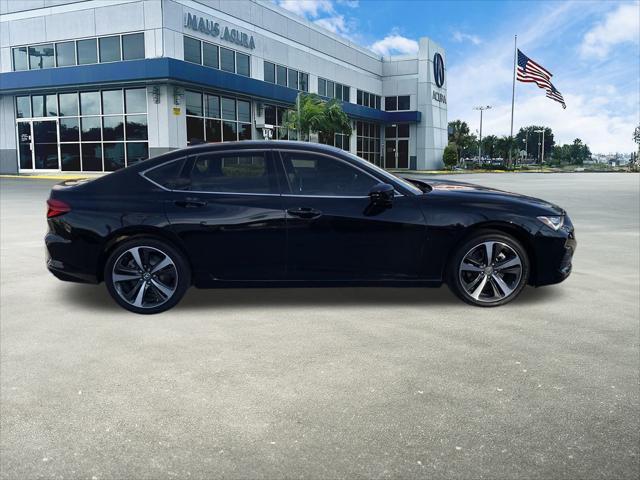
248, 172
170, 175
317, 175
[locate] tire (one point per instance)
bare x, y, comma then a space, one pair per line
157, 286
490, 284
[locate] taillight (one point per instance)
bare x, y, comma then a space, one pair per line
56, 207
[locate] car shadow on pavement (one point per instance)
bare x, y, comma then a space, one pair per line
96, 297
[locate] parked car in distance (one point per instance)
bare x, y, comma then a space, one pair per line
282, 213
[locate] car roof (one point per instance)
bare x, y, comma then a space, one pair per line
266, 144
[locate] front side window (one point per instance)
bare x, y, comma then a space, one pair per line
316, 175
231, 173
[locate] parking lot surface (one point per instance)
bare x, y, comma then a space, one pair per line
328, 383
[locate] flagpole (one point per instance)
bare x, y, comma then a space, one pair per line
513, 94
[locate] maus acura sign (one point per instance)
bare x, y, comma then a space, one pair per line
210, 27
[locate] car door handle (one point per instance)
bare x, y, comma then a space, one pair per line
304, 212
190, 203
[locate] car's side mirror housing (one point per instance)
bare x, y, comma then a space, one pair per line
382, 194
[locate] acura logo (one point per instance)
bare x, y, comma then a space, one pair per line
438, 70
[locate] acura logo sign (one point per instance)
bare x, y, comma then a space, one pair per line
438, 70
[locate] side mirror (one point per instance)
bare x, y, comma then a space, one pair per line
382, 194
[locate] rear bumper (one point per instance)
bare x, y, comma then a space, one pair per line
57, 249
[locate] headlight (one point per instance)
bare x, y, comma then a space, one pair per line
554, 223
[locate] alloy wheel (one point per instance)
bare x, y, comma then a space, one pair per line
490, 271
144, 277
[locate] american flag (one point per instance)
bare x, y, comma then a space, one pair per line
529, 71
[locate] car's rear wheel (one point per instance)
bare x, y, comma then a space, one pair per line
489, 269
146, 275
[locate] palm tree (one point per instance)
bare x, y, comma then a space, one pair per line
313, 114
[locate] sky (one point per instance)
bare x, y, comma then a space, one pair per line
591, 48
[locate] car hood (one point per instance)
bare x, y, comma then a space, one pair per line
470, 191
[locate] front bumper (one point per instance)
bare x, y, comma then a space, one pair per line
554, 253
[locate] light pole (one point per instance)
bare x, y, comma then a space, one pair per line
482, 109
542, 147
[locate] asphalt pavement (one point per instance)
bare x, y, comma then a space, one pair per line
328, 383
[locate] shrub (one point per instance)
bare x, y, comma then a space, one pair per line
450, 156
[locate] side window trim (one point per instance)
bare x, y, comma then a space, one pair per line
143, 173
283, 153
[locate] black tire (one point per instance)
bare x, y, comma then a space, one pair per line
490, 282
176, 276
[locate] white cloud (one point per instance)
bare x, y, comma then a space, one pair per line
619, 26
349, 3
307, 8
460, 37
395, 44
335, 24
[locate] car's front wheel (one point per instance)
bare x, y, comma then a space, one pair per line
489, 269
145, 275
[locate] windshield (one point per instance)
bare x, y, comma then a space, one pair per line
405, 183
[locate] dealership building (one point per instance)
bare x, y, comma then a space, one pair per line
89, 85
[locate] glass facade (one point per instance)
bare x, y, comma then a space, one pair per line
401, 102
97, 130
275, 115
367, 99
213, 118
113, 48
368, 141
328, 88
214, 56
287, 77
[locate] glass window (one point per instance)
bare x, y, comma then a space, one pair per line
113, 128
90, 129
403, 102
315, 175
109, 49
136, 127
346, 93
135, 100
322, 87
338, 91
20, 59
390, 103
331, 89
137, 151
244, 111
37, 106
212, 106
228, 108
304, 82
293, 79
66, 54
210, 55
23, 107
193, 102
68, 104
87, 51
166, 175
270, 115
133, 46
112, 102
243, 64
195, 130
390, 132
359, 97
403, 130
229, 131
269, 72
51, 106
227, 61
239, 173
70, 157
90, 103
281, 75
41, 56
192, 51
69, 130
244, 131
113, 156
378, 100
92, 157
212, 131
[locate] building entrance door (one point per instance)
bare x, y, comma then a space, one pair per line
38, 145
396, 149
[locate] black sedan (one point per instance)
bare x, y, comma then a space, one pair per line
297, 214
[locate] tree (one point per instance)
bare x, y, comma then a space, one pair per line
466, 143
489, 145
529, 138
450, 155
636, 136
318, 115
579, 152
